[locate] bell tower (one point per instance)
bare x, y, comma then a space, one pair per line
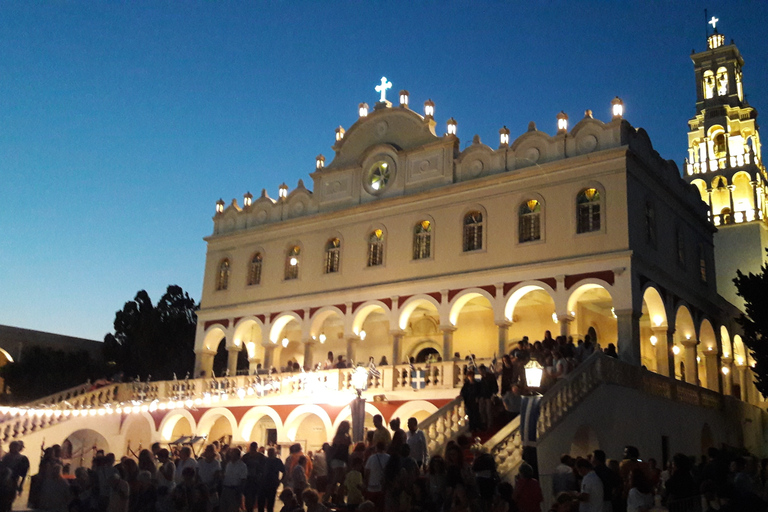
725, 163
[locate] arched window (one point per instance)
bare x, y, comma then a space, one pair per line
473, 231
332, 255
422, 240
588, 211
376, 248
529, 222
254, 271
292, 263
222, 276
709, 84
722, 81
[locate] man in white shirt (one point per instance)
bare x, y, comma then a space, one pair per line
417, 442
185, 461
208, 470
591, 496
233, 483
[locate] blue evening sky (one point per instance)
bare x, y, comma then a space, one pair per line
122, 122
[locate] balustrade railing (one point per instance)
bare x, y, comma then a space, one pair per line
445, 424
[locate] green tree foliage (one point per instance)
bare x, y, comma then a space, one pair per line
154, 340
753, 288
42, 371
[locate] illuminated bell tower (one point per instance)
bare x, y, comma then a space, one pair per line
724, 162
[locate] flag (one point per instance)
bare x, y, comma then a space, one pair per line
529, 417
418, 379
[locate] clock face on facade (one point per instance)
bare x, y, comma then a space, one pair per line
378, 177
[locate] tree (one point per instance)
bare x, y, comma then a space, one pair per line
753, 288
154, 340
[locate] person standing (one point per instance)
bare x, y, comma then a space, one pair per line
488, 389
381, 434
591, 495
470, 393
254, 461
19, 466
235, 475
185, 461
417, 441
374, 475
273, 469
209, 474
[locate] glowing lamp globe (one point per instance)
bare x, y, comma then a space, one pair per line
533, 373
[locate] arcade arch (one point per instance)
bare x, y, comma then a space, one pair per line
653, 332
373, 320
217, 424
309, 425
81, 446
420, 321
285, 335
531, 309
248, 336
257, 423
177, 423
473, 316
685, 356
591, 306
706, 356
327, 328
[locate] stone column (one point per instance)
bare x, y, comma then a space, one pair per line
753, 183
503, 331
269, 357
565, 324
352, 349
742, 369
689, 356
232, 353
670, 354
662, 351
728, 377
204, 363
730, 196
711, 360
308, 350
711, 210
448, 331
628, 323
397, 338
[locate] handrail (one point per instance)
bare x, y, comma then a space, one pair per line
445, 424
432, 418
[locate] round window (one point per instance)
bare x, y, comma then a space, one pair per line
379, 176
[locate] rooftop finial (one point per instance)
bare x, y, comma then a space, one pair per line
383, 88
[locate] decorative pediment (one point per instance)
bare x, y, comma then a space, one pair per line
399, 127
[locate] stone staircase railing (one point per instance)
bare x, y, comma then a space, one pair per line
445, 424
568, 393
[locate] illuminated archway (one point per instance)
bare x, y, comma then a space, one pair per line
286, 334
372, 322
706, 353
258, 416
653, 332
420, 319
84, 443
472, 314
685, 359
327, 331
216, 423
309, 424
171, 421
531, 309
591, 306
249, 336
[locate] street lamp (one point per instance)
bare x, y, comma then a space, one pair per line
533, 373
360, 383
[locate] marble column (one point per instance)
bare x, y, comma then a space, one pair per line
711, 362
628, 323
397, 338
308, 352
742, 370
232, 354
204, 363
269, 357
662, 351
728, 376
448, 331
352, 349
671, 354
565, 324
503, 334
691, 367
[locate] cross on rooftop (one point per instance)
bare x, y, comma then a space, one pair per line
713, 22
383, 88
